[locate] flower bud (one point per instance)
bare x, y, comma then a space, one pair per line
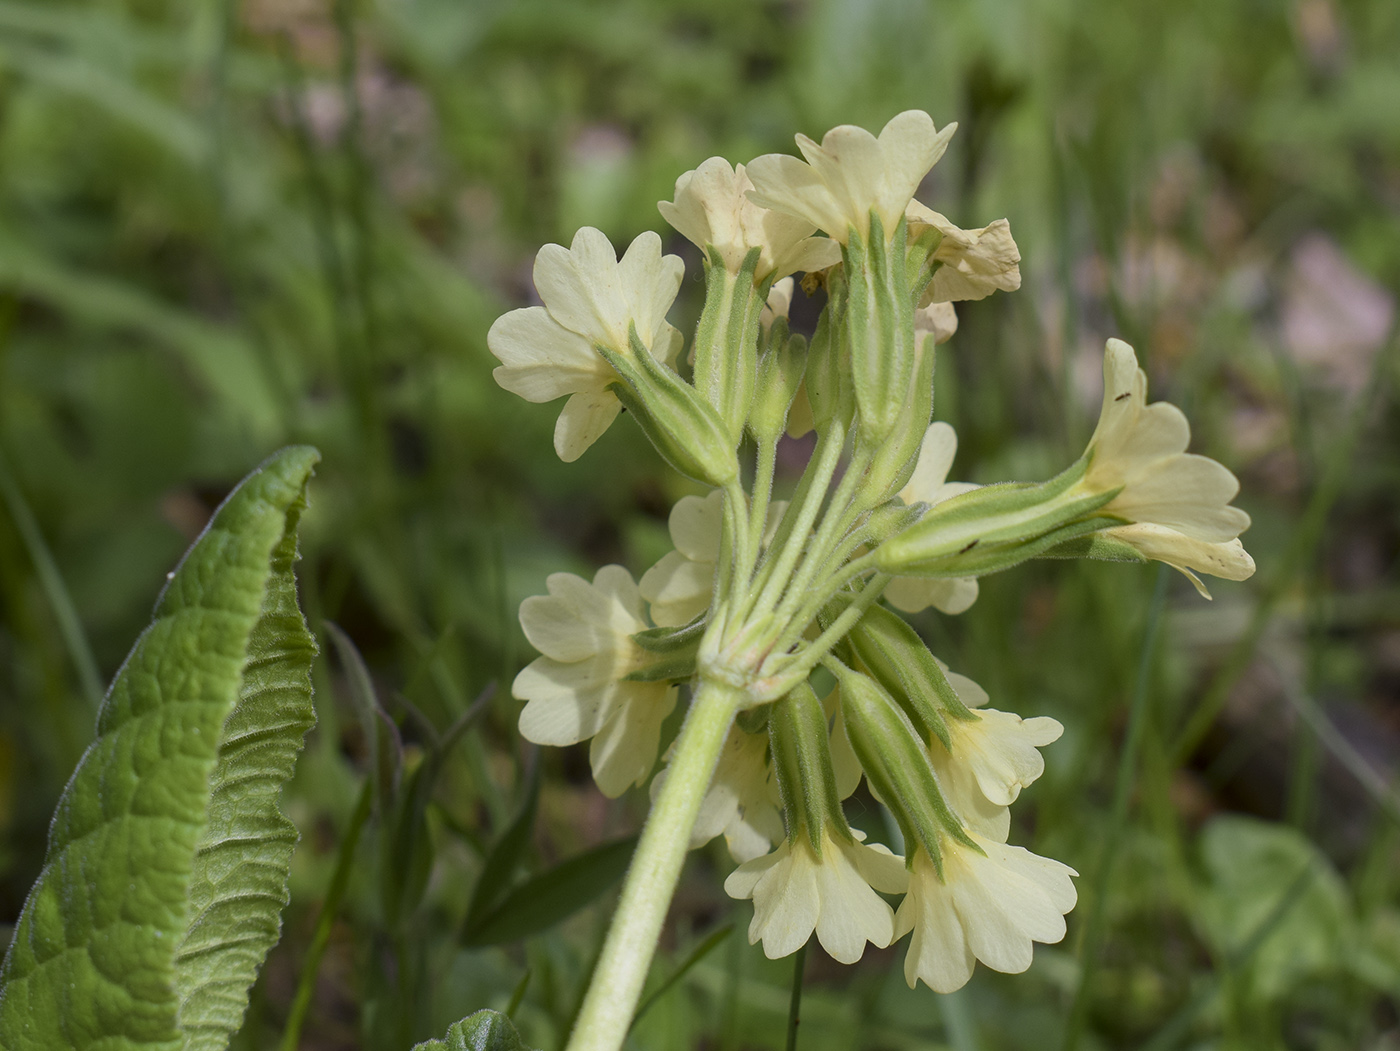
780, 372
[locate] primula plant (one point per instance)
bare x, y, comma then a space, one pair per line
760, 593
168, 858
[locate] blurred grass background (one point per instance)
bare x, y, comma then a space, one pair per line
226, 226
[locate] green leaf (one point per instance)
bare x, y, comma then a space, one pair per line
715, 939
541, 902
483, 1031
1253, 868
166, 870
505, 856
386, 746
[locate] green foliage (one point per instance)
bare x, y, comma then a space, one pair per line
483, 1031
1273, 894
204, 257
554, 895
167, 865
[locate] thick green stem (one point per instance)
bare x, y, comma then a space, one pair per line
622, 968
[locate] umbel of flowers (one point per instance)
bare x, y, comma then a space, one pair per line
759, 594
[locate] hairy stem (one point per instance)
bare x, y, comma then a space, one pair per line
622, 968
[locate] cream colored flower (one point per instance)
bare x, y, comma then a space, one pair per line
976, 263
851, 174
742, 802
591, 298
680, 586
929, 484
844, 763
992, 758
576, 690
1177, 502
778, 304
796, 892
712, 209
936, 321
988, 906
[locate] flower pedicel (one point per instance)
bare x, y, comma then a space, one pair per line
759, 593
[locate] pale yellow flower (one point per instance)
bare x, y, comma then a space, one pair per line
778, 304
844, 763
680, 586
976, 263
591, 299
576, 690
851, 174
988, 906
742, 802
929, 484
1178, 502
712, 209
936, 321
992, 758
796, 892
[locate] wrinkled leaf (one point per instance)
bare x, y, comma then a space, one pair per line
166, 871
483, 1031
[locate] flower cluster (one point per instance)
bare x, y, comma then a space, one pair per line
760, 594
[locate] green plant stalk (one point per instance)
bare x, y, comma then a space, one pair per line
846, 574
764, 467
622, 968
799, 969
69, 624
1122, 798
798, 520
340, 880
829, 534
739, 544
791, 675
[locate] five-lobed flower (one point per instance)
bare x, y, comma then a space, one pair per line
591, 299
742, 803
712, 210
851, 174
829, 889
1177, 504
990, 902
578, 688
972, 263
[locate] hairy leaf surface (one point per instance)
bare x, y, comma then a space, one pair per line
166, 870
483, 1031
